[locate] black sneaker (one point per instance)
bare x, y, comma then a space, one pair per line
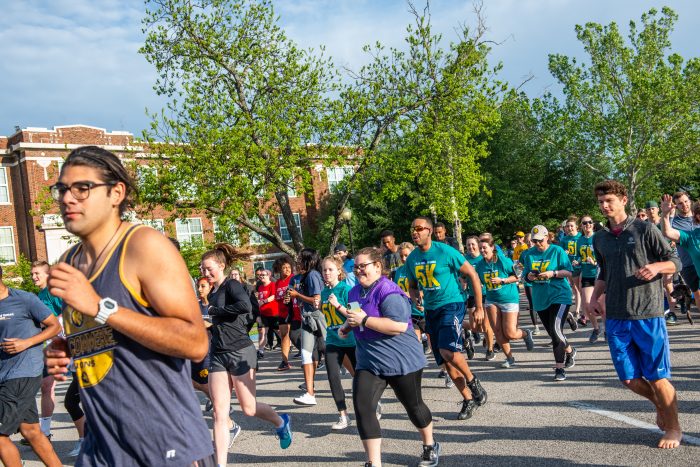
572, 322
570, 358
25, 442
490, 355
496, 347
284, 366
671, 318
321, 365
582, 322
478, 392
559, 374
430, 456
261, 354
442, 374
470, 349
529, 342
477, 338
468, 409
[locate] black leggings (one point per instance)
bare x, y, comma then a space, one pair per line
528, 294
334, 360
72, 400
553, 319
367, 388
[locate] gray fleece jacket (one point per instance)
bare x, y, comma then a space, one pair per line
619, 257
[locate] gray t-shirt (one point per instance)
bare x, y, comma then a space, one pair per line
392, 355
21, 315
619, 257
686, 224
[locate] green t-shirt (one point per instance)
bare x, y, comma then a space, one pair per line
502, 268
691, 242
568, 243
473, 260
402, 281
334, 318
54, 303
436, 272
547, 292
584, 248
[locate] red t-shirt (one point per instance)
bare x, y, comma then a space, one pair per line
282, 308
268, 310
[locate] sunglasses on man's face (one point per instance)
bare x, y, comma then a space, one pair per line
419, 228
538, 241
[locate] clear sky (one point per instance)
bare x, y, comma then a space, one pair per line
76, 61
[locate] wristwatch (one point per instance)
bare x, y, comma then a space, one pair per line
107, 308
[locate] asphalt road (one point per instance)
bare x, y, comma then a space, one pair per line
529, 419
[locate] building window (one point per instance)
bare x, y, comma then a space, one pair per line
189, 230
263, 264
337, 174
7, 246
255, 238
4, 188
225, 232
157, 224
284, 231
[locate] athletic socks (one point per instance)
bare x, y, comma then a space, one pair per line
45, 425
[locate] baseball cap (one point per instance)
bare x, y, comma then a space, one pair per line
340, 247
651, 204
539, 232
519, 233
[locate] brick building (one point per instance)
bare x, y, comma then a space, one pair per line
29, 220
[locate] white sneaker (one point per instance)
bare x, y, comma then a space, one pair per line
379, 410
341, 424
233, 434
305, 399
76, 448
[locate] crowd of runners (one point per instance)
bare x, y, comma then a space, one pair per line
121, 304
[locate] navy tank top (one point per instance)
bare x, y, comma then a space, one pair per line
139, 404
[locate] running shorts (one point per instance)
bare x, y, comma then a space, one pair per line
444, 326
18, 403
236, 363
639, 347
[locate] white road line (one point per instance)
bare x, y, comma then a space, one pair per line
628, 420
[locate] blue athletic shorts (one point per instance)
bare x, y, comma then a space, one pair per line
444, 326
639, 347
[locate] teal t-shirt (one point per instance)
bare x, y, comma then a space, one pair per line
436, 272
547, 292
502, 268
584, 248
334, 318
54, 303
402, 281
473, 260
691, 242
568, 243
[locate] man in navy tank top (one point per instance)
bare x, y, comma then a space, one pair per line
132, 325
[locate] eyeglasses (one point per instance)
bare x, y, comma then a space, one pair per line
79, 190
361, 267
538, 241
587, 223
419, 228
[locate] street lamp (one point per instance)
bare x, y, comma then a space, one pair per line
346, 215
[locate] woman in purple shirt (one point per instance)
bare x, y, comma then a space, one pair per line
388, 354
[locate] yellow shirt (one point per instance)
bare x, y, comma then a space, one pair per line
518, 251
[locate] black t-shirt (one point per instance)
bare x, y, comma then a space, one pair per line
231, 314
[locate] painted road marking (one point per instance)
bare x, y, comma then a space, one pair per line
629, 420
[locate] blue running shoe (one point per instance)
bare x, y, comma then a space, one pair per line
284, 434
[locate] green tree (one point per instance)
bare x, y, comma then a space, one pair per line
19, 275
421, 119
245, 105
633, 112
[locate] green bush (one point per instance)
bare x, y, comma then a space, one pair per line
19, 275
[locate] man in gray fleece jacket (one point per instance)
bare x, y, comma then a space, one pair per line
633, 256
